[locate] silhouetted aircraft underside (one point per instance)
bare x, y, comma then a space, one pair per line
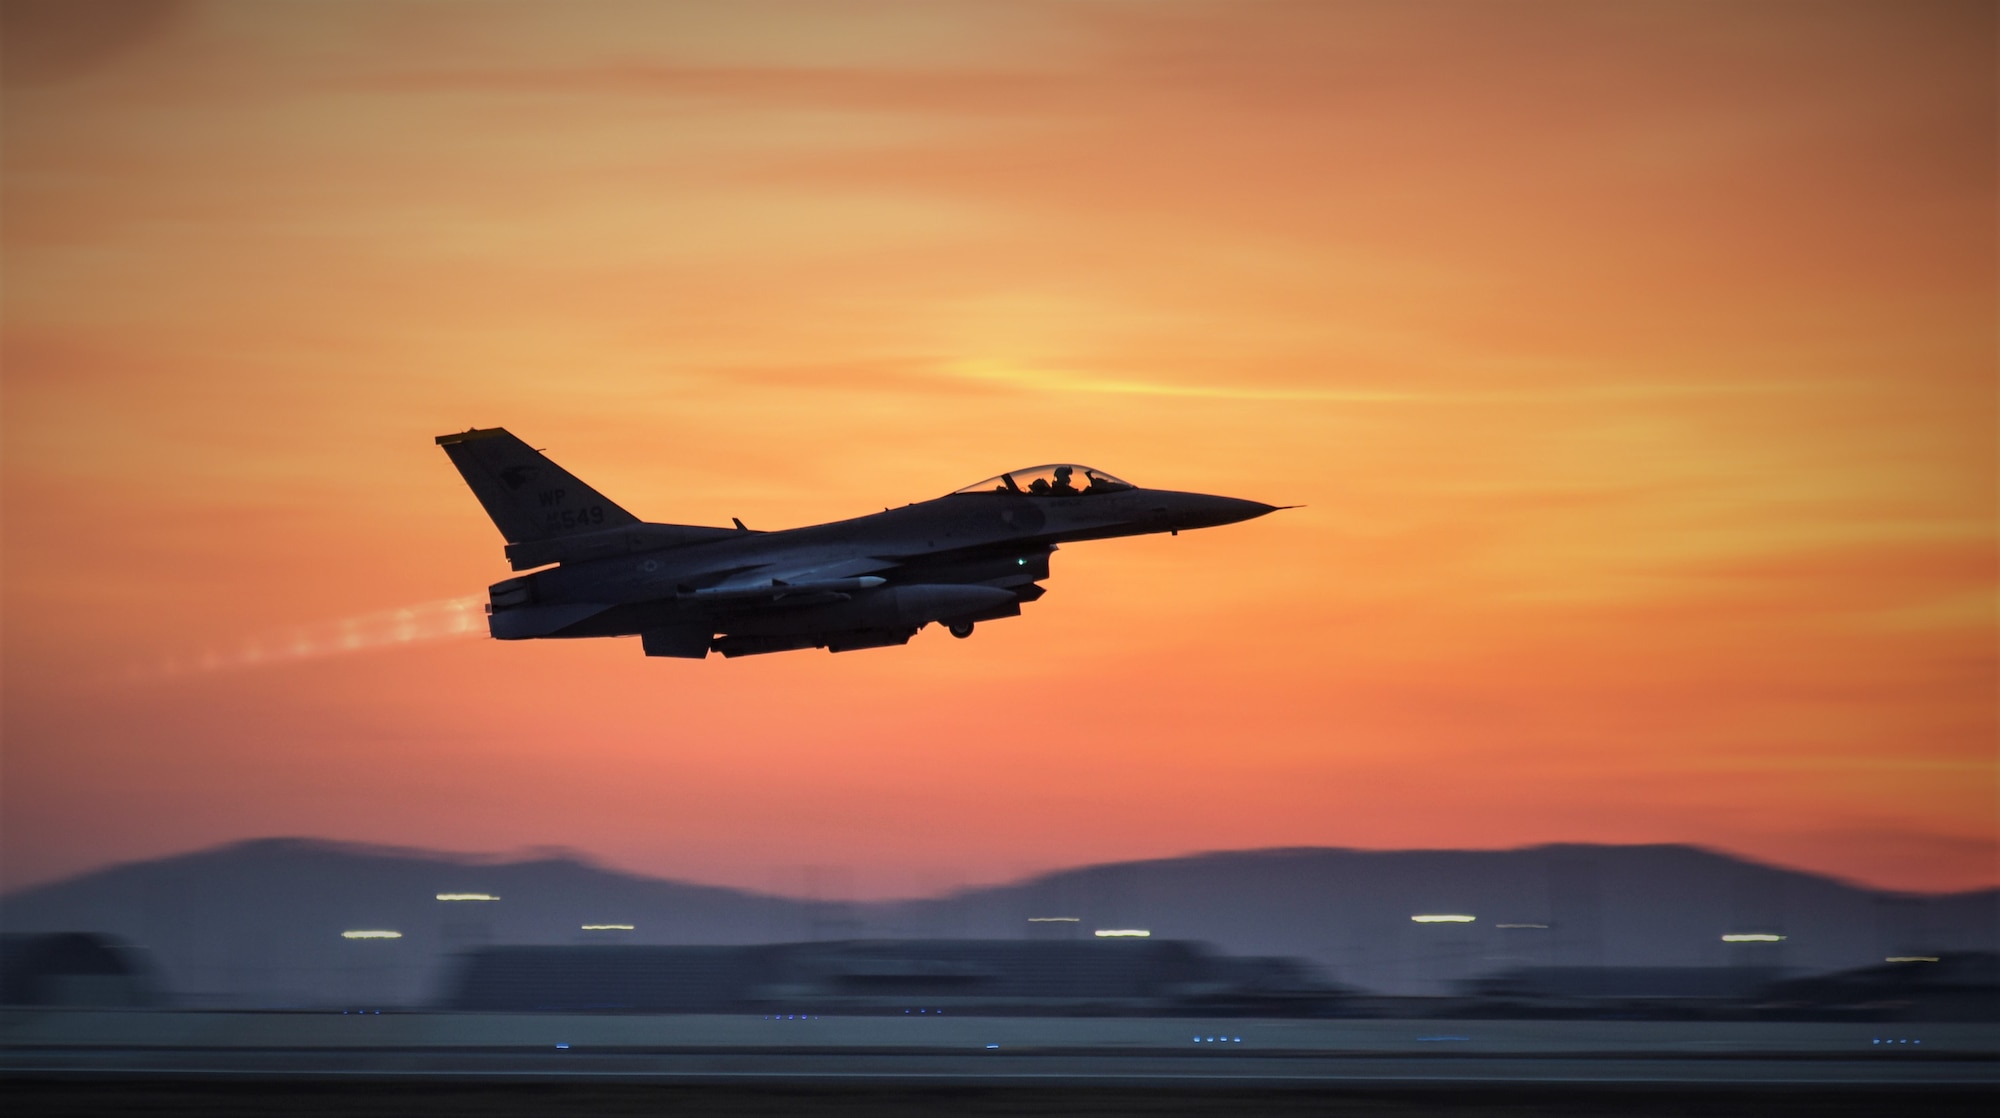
970, 556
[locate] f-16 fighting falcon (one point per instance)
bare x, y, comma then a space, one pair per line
970, 556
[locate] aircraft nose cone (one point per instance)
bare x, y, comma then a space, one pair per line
1230, 510
1248, 510
1200, 510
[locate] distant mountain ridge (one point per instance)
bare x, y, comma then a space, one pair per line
260, 922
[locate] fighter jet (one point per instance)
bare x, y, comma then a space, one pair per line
977, 554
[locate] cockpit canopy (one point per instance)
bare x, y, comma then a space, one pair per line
1058, 480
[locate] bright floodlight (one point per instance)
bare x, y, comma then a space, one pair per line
609, 927
1444, 919
467, 897
371, 935
1752, 937
1121, 933
1054, 920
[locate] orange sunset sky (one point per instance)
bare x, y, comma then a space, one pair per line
1635, 363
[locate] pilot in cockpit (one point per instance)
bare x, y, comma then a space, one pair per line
1051, 481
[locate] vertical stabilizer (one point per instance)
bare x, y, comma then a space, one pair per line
529, 497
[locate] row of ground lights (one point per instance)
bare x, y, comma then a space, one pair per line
1733, 937
379, 933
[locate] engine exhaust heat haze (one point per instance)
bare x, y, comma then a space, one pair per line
413, 624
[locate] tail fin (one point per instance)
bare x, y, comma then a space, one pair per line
529, 497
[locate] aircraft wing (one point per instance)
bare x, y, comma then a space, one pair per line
783, 579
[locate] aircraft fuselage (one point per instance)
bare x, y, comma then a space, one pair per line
970, 556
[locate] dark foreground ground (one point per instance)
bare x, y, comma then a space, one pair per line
88, 1062
39, 1097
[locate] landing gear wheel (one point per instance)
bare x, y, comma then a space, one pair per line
961, 630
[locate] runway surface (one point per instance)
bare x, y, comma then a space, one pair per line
1063, 1070
993, 1051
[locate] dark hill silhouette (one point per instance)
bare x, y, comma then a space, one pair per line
1350, 910
259, 922
262, 919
